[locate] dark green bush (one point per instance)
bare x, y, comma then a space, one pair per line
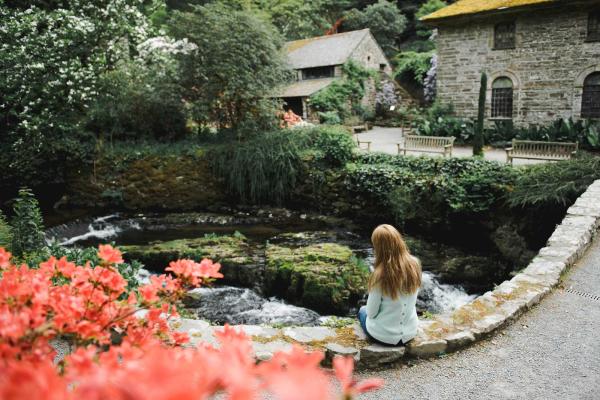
138, 103
586, 132
344, 96
27, 224
336, 144
430, 188
5, 232
438, 120
552, 184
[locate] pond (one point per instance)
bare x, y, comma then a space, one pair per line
281, 267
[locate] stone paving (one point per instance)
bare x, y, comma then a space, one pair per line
449, 332
551, 352
385, 139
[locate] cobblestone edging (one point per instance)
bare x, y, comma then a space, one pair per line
446, 332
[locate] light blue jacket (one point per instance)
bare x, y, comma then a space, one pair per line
390, 321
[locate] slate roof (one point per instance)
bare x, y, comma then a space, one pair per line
304, 88
469, 7
323, 50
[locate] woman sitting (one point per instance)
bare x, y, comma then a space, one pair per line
390, 316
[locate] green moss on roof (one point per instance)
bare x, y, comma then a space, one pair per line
467, 7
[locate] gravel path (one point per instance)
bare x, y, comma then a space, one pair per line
551, 352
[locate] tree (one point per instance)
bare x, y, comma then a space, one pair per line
385, 21
423, 31
237, 64
478, 137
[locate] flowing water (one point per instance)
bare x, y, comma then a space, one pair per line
236, 305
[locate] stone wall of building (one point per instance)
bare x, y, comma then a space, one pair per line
548, 65
369, 55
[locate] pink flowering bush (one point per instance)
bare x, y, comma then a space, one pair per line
84, 305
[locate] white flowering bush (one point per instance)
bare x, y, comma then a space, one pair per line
52, 55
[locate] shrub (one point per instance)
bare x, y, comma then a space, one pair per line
137, 101
336, 144
438, 120
586, 132
84, 306
551, 184
413, 65
330, 117
478, 140
430, 189
81, 256
343, 96
27, 224
5, 232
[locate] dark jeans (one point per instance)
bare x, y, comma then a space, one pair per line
362, 318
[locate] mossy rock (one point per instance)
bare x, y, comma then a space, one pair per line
325, 276
240, 264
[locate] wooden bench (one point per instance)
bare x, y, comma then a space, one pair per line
360, 128
361, 144
427, 144
532, 150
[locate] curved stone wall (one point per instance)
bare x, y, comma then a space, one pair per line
447, 332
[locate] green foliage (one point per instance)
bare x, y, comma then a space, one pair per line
430, 189
138, 101
385, 21
52, 58
27, 224
330, 117
438, 120
5, 232
343, 96
299, 19
237, 64
80, 256
336, 145
558, 183
478, 138
263, 169
586, 132
423, 31
413, 65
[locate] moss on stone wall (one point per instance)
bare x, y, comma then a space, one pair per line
165, 182
239, 262
325, 276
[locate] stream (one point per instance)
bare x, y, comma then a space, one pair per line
247, 305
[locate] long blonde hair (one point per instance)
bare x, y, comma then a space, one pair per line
396, 270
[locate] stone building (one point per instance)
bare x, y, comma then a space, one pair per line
542, 58
318, 62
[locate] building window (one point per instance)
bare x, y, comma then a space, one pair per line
502, 98
590, 101
318, 72
504, 36
593, 34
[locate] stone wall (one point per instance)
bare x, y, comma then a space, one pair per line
547, 67
369, 55
447, 332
